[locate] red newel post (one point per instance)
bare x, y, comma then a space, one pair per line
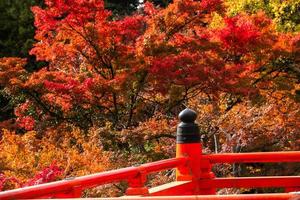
189, 145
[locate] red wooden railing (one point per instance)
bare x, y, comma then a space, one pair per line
194, 177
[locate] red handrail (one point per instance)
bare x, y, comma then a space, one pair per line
278, 196
252, 182
93, 180
287, 156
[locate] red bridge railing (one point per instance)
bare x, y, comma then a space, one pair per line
194, 176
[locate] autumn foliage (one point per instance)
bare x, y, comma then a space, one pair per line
111, 82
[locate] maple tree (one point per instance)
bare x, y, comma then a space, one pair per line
112, 69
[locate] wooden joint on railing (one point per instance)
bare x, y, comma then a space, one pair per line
206, 174
206, 169
184, 171
136, 185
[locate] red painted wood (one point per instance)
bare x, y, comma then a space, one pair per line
66, 186
164, 164
193, 151
252, 182
194, 166
206, 175
288, 156
278, 196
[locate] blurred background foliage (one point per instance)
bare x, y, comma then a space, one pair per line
267, 121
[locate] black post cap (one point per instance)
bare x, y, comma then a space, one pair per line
187, 116
188, 130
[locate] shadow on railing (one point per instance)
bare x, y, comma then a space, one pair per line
194, 177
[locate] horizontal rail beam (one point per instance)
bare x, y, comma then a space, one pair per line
68, 184
277, 196
90, 180
288, 156
251, 182
163, 164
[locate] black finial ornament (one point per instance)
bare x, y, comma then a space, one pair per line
188, 130
187, 115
